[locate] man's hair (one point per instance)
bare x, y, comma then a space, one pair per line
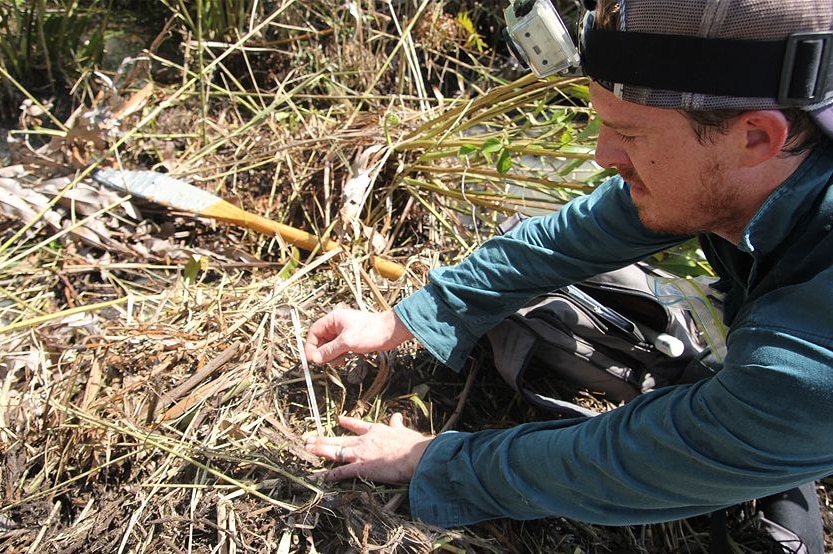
803, 132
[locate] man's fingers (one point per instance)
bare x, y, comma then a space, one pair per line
365, 470
332, 351
386, 453
329, 447
355, 425
349, 471
324, 340
339, 449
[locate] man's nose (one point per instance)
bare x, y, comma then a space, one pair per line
609, 153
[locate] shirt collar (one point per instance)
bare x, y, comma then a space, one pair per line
776, 218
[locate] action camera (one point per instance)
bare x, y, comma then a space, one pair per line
538, 38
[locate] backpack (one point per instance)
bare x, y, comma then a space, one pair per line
618, 334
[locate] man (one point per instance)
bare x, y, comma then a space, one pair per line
741, 158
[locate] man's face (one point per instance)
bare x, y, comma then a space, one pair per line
678, 184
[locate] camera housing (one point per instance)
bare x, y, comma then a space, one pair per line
538, 38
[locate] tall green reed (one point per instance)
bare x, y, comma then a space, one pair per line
47, 44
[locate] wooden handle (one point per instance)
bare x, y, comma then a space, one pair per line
225, 211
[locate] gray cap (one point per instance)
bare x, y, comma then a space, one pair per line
741, 21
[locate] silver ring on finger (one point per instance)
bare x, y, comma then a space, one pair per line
340, 455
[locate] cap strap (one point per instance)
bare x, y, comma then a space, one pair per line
796, 71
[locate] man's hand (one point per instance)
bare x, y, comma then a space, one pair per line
379, 452
343, 331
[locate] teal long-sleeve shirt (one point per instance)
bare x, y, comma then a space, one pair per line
762, 425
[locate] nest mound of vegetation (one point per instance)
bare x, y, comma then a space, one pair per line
152, 397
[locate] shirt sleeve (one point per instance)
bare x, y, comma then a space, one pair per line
751, 431
590, 235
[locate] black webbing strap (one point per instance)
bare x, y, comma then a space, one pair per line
797, 71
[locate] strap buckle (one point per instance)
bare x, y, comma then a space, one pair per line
807, 70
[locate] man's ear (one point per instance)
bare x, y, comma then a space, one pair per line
762, 135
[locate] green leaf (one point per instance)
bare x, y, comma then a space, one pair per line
291, 265
590, 130
491, 146
504, 162
581, 92
466, 150
193, 268
419, 404
571, 166
474, 39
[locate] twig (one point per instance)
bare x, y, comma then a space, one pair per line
171, 396
393, 504
455, 415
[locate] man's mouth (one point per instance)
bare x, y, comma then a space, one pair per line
632, 179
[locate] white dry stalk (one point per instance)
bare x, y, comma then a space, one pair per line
313, 403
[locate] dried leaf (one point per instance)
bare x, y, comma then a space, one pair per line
24, 204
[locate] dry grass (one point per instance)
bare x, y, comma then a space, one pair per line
151, 396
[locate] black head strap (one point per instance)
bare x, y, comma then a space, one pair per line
797, 71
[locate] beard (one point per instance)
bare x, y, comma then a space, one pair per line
712, 207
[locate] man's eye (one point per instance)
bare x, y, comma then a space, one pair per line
626, 138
